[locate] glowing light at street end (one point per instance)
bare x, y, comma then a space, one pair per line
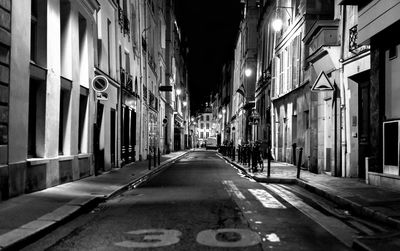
248, 72
277, 24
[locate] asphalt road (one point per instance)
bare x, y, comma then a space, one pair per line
203, 203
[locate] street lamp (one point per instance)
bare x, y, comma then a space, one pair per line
220, 115
277, 23
178, 91
184, 103
224, 111
248, 72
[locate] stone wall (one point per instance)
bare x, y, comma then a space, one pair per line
5, 44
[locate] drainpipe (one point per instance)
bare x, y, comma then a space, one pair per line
343, 97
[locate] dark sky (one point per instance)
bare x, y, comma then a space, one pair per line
211, 28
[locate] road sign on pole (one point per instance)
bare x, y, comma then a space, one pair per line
100, 83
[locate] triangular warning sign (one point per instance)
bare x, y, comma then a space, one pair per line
322, 83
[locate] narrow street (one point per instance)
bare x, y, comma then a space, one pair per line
203, 203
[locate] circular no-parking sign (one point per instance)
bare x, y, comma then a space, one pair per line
100, 83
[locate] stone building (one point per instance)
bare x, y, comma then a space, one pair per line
378, 25
50, 103
244, 77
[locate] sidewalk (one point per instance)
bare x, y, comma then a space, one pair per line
377, 203
26, 217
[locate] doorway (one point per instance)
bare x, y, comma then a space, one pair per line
363, 124
98, 149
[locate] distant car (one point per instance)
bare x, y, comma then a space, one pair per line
211, 143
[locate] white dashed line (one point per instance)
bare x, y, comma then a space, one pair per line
232, 188
266, 199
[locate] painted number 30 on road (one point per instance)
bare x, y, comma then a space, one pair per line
226, 237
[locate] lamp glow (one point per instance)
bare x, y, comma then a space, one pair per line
277, 24
178, 91
224, 111
219, 115
184, 103
247, 72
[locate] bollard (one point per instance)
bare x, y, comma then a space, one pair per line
269, 161
294, 146
149, 158
299, 162
248, 157
159, 157
155, 157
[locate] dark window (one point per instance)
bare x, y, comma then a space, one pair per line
201, 135
109, 45
208, 118
36, 117
82, 134
207, 126
64, 108
392, 52
207, 134
306, 119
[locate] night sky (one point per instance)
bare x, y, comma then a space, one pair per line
211, 29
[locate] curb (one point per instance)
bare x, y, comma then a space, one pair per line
266, 180
353, 206
27, 233
356, 208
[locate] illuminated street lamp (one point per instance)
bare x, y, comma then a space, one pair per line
277, 24
248, 72
178, 91
224, 111
184, 103
220, 115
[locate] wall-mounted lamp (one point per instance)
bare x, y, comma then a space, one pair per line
277, 22
248, 72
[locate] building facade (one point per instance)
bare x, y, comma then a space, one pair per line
80, 88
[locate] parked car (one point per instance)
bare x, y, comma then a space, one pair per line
211, 143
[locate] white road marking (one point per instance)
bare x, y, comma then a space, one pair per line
273, 237
152, 238
266, 199
232, 188
209, 238
334, 226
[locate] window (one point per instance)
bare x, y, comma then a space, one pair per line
392, 52
36, 117
207, 134
201, 126
109, 45
207, 126
64, 110
208, 118
83, 51
201, 135
83, 127
127, 64
306, 120
38, 32
295, 61
281, 70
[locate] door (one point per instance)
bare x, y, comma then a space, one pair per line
133, 135
112, 137
98, 148
363, 126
